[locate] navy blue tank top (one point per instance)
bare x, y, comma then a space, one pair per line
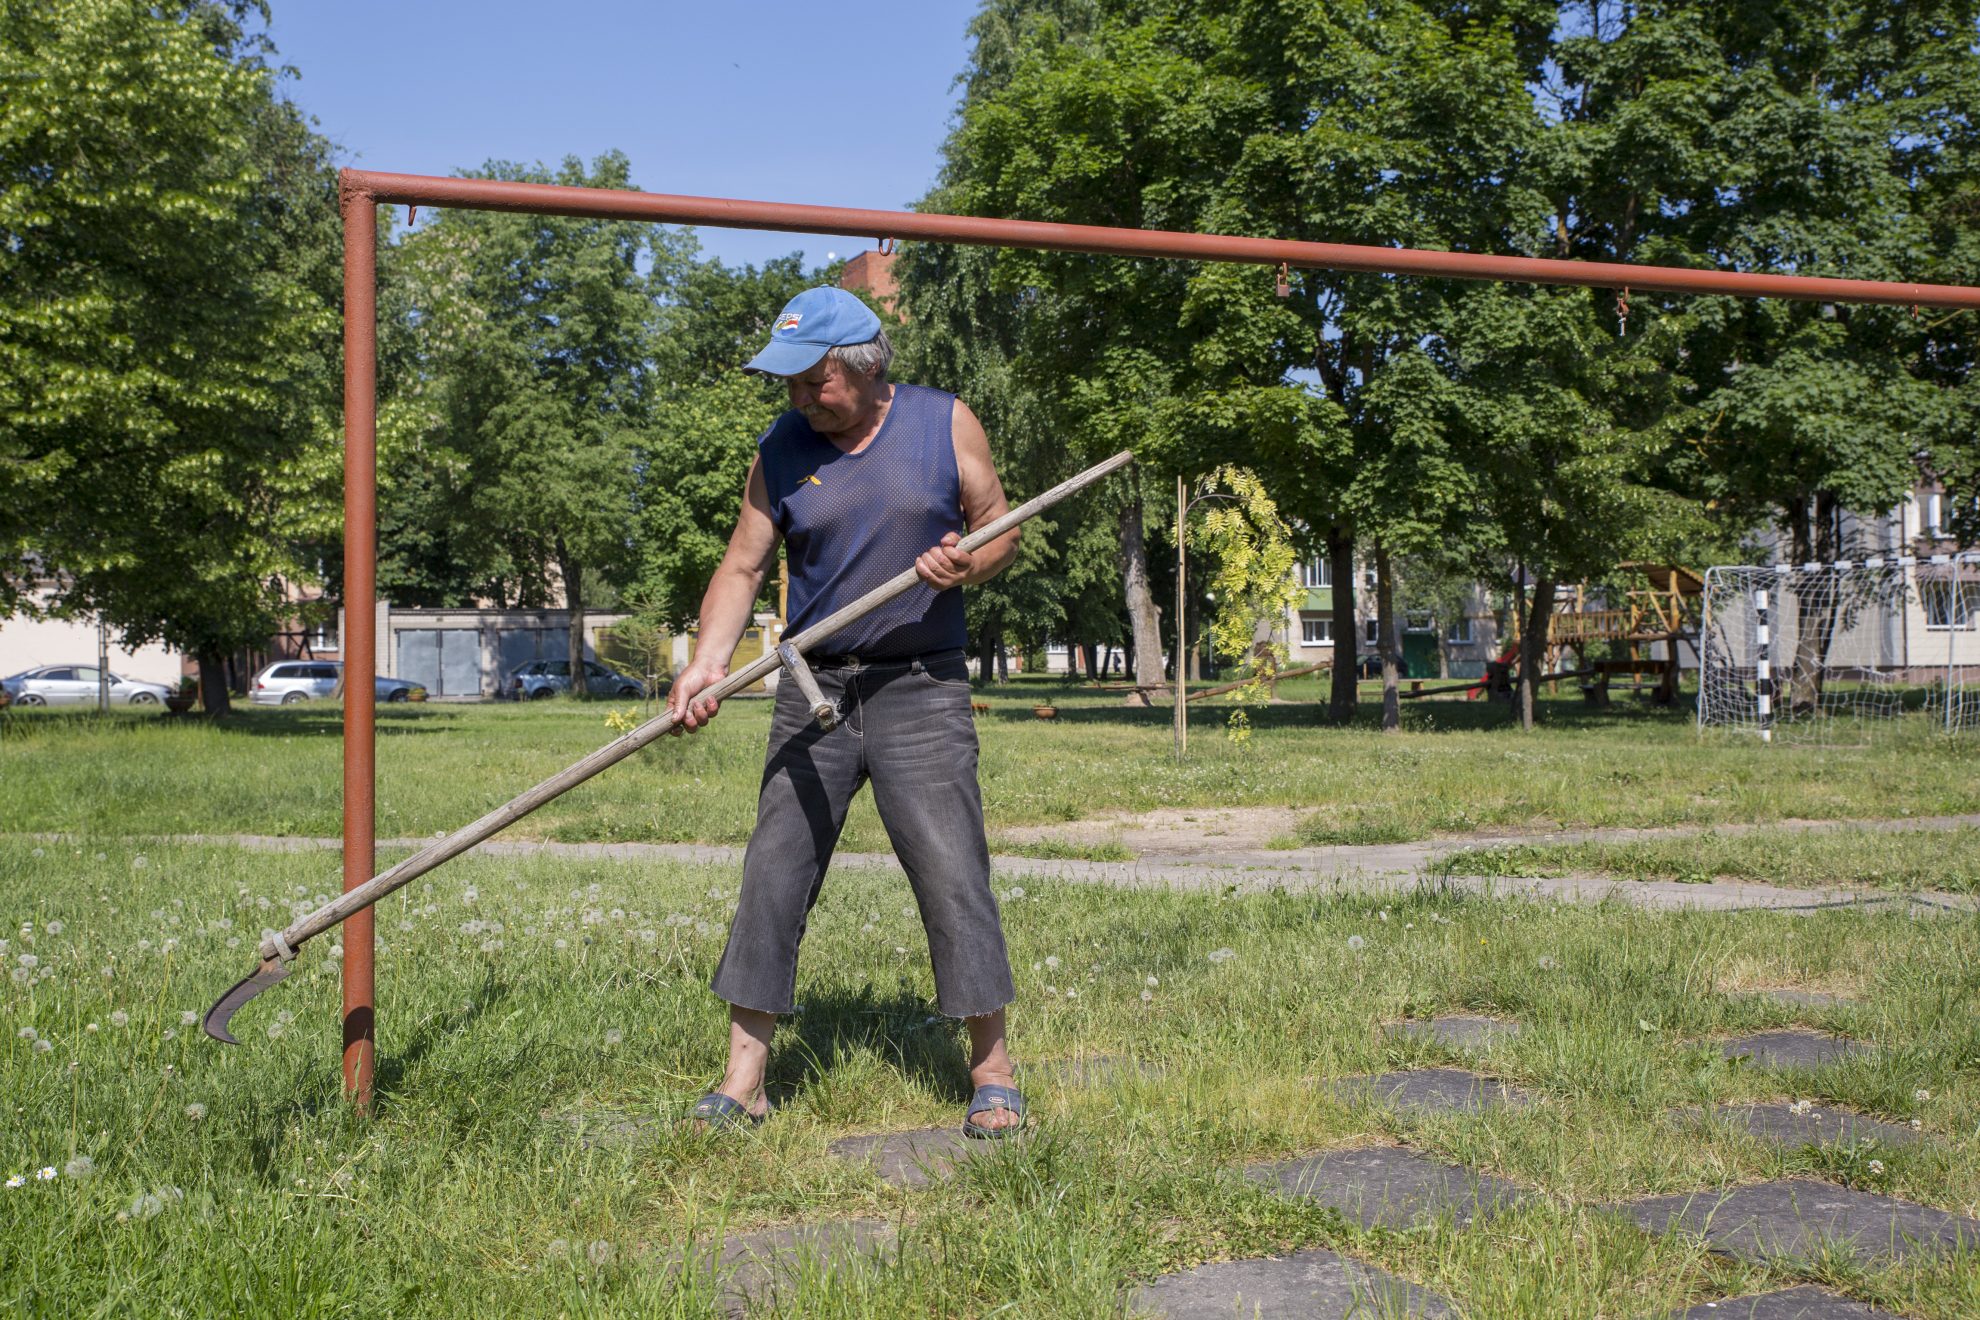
851, 521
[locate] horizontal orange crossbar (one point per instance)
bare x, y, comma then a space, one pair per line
983, 231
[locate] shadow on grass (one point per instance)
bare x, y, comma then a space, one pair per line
837, 1025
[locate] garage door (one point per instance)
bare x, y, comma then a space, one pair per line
444, 661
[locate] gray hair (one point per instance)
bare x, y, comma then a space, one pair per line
871, 358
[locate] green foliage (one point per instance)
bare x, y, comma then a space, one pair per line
1252, 582
168, 258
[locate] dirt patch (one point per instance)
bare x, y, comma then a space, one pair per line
1169, 830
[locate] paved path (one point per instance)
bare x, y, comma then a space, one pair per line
1379, 868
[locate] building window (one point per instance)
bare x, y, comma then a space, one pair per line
323, 636
1370, 632
1950, 606
1935, 513
1316, 630
1316, 574
1460, 632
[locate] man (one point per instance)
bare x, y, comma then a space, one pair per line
858, 479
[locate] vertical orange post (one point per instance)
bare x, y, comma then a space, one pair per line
360, 209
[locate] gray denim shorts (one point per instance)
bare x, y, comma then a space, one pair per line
906, 726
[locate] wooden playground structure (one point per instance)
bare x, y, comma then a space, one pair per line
1665, 609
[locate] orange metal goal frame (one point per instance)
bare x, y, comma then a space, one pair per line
363, 191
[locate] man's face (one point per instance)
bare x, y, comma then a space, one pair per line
830, 398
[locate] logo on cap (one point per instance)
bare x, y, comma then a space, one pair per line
788, 321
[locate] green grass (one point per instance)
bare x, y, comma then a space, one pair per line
1943, 860
1457, 767
460, 1195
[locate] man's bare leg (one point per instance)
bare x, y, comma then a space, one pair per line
749, 1058
990, 1065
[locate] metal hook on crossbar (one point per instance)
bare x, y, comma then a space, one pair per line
889, 246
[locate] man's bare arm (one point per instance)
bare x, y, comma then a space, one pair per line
944, 566
728, 602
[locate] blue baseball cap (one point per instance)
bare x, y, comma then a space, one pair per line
814, 321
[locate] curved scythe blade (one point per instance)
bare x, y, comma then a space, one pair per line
224, 1008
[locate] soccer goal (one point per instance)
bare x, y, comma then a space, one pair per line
1802, 652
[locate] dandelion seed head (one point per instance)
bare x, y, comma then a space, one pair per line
599, 1253
195, 1111
188, 1019
558, 1248
79, 1167
1147, 996
28, 1033
1017, 891
28, 961
1356, 943
1152, 982
147, 1205
43, 1047
139, 862
1052, 961
120, 1018
37, 853
1222, 955
55, 928
614, 1037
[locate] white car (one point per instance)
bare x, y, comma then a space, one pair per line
288, 681
77, 685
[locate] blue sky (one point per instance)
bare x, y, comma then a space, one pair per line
782, 100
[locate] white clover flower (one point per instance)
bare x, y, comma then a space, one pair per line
1921, 1095
1799, 1107
1356, 943
46, 1173
1917, 1125
614, 1037
900, 950
120, 1018
1222, 955
599, 1253
1877, 1167
91, 1028
1071, 993
79, 1167
195, 1111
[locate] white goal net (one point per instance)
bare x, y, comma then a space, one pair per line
1804, 652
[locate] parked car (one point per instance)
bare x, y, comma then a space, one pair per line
546, 678
288, 681
76, 685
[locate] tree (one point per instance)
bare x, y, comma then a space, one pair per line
532, 387
167, 326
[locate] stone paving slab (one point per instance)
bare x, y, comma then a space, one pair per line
1791, 1304
1795, 1216
1458, 1031
1386, 1187
914, 1159
1793, 1047
750, 1267
1433, 1090
1310, 1285
1818, 1126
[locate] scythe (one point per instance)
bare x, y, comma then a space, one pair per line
279, 949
